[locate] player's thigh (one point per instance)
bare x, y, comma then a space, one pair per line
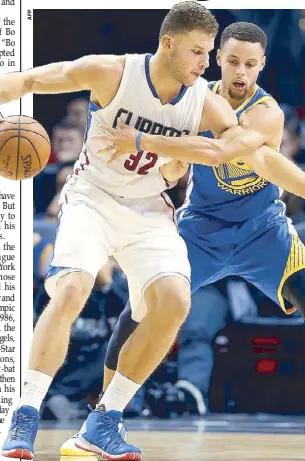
81, 244
154, 255
206, 267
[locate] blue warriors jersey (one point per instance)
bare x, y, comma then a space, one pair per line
233, 223
232, 192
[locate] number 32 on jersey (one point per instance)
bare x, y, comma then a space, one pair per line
133, 161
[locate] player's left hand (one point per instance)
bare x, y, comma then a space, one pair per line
120, 140
174, 170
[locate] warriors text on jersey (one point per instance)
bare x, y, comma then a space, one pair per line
136, 102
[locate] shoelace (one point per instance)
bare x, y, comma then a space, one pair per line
24, 427
122, 422
107, 426
110, 424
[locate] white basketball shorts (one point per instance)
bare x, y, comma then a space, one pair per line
140, 234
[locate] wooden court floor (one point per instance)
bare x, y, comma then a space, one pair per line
174, 446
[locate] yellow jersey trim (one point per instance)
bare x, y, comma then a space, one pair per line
216, 86
295, 262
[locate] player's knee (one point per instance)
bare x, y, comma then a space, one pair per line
177, 306
73, 290
170, 299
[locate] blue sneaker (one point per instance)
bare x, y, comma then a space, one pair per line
69, 447
22, 433
121, 424
100, 435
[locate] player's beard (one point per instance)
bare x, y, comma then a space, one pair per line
237, 95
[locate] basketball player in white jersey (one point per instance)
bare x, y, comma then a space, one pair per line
119, 210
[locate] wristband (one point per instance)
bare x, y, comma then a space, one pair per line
138, 138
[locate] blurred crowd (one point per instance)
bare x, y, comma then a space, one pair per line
182, 384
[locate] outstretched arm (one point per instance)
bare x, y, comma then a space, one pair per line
262, 123
278, 170
218, 117
59, 77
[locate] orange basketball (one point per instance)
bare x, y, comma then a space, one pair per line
24, 147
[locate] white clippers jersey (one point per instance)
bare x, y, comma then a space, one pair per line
137, 175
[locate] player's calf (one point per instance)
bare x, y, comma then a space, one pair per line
168, 301
48, 351
52, 332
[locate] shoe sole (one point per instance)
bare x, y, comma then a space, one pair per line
69, 448
86, 446
74, 452
20, 453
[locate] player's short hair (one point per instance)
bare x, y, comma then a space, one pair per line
246, 32
187, 16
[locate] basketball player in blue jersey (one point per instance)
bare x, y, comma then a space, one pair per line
233, 213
